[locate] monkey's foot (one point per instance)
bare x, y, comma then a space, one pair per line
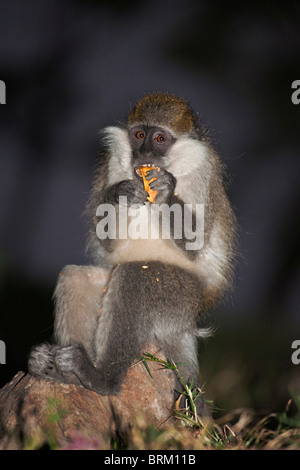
41, 363
76, 367
71, 364
44, 363
69, 360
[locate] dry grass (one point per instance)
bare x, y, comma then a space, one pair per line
239, 430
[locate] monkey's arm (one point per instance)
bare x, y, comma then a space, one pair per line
189, 230
180, 231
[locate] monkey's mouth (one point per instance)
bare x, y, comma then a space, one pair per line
146, 165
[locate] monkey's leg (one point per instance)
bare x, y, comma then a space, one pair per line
118, 341
77, 297
177, 300
122, 330
152, 303
77, 302
143, 304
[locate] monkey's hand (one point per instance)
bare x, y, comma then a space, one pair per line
164, 183
131, 189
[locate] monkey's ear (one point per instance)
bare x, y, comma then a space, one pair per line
199, 133
195, 133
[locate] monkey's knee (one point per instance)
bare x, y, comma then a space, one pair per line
80, 280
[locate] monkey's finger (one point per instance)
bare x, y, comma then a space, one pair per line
153, 173
160, 184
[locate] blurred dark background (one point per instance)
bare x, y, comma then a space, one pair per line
73, 67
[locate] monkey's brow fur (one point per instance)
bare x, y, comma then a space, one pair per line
142, 291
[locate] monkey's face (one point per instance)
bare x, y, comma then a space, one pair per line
150, 146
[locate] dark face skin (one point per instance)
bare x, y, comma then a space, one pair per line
149, 145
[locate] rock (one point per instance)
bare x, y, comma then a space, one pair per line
34, 413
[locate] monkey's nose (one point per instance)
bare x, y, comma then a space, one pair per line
147, 156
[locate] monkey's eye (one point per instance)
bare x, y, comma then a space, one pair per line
140, 135
160, 138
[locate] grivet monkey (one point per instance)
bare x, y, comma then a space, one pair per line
144, 289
